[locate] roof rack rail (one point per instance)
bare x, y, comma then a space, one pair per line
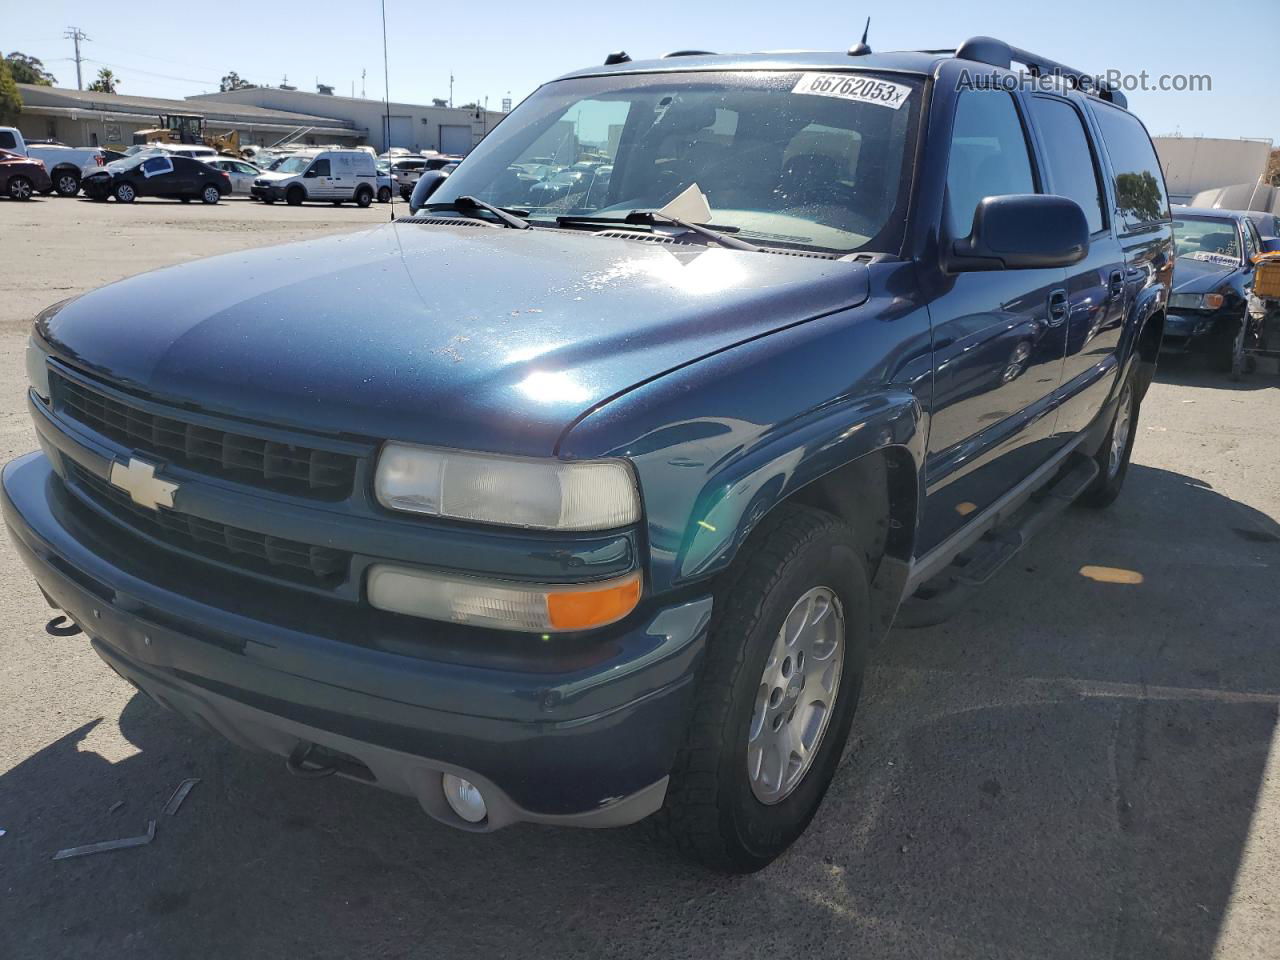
997, 53
688, 53
618, 56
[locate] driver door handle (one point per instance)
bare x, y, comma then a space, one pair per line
1059, 307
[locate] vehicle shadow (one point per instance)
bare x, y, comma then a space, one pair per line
1192, 370
1069, 768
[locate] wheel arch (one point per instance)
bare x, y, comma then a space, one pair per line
1147, 349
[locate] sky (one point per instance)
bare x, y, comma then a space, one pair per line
502, 48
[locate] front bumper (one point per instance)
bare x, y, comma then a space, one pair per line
1199, 332
266, 193
588, 741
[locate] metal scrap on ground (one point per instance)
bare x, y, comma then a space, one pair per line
179, 795
108, 845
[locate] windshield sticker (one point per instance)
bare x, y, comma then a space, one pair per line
861, 89
1222, 258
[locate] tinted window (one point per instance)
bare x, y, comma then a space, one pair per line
989, 156
8, 141
1251, 240
1072, 172
1139, 184
320, 168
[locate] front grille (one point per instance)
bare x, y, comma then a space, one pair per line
285, 467
252, 552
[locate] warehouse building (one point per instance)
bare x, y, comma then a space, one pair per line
412, 126
1193, 165
83, 118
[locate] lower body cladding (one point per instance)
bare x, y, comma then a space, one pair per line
369, 714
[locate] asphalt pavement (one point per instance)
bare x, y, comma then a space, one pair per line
1073, 767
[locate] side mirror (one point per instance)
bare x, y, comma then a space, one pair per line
1021, 232
427, 184
309, 173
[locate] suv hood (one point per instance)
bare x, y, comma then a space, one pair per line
461, 336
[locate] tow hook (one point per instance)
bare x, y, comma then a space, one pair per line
300, 764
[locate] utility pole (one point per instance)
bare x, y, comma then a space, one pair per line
451, 90
362, 83
76, 34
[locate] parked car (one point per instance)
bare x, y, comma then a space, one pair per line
22, 177
338, 176
386, 183
585, 514
241, 173
405, 173
1267, 224
157, 175
1212, 282
63, 164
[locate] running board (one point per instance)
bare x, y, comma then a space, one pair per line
939, 598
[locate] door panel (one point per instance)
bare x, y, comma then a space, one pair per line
1095, 285
999, 336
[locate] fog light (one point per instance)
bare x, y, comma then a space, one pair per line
465, 799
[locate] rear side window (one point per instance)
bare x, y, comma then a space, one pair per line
989, 156
1072, 171
8, 141
1139, 184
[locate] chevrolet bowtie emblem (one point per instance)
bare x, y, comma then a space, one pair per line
138, 479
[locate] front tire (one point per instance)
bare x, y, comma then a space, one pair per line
67, 183
124, 193
777, 691
1113, 457
20, 188
384, 195
295, 196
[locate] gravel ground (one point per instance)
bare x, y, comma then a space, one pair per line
1069, 768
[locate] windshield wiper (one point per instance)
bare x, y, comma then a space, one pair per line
651, 217
467, 202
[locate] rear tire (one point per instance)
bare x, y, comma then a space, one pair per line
67, 183
20, 188
739, 795
364, 197
1117, 448
295, 196
210, 195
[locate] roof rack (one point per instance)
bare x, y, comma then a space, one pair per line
997, 53
688, 53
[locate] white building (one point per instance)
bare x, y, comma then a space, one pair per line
412, 126
1193, 165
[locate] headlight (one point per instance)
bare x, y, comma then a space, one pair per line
503, 605
510, 491
1196, 301
38, 369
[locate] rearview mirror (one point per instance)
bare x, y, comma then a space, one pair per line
1021, 232
427, 184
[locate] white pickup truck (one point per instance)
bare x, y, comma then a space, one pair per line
63, 163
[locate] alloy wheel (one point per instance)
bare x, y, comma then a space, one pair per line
796, 696
1120, 431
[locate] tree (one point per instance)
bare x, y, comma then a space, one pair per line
10, 96
27, 69
106, 82
1273, 169
233, 81
1139, 196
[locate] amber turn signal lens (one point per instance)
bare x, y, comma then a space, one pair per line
1212, 301
582, 608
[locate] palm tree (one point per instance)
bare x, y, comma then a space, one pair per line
106, 82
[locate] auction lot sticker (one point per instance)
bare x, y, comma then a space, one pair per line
857, 87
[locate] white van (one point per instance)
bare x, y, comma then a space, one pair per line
338, 176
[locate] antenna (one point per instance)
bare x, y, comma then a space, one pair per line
76, 34
860, 49
386, 77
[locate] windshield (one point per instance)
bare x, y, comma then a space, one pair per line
1207, 238
779, 162
292, 164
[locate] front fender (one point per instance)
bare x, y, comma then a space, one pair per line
717, 444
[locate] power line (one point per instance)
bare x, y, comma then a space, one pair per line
162, 76
76, 34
